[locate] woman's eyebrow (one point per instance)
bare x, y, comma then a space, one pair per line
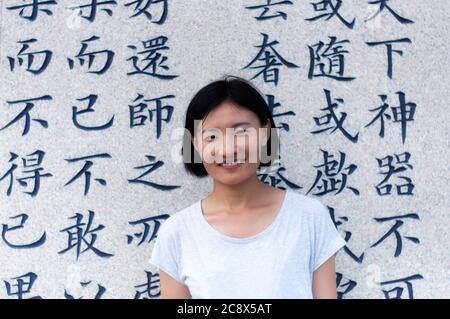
241, 123
235, 125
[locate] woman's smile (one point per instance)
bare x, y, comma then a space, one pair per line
230, 166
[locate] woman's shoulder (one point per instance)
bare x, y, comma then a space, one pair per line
179, 218
308, 206
311, 214
307, 202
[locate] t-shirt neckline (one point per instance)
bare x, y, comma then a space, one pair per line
216, 233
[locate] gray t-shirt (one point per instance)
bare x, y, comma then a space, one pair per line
278, 262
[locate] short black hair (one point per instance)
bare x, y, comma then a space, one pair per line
234, 89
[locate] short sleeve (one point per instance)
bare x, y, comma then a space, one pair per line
165, 250
327, 240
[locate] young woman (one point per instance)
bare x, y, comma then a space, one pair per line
245, 239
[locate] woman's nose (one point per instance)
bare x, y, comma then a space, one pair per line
223, 153
226, 150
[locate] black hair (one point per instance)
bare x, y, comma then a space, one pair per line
234, 89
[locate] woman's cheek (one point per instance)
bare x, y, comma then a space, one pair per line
208, 153
252, 150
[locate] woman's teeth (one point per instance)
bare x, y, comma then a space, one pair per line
230, 164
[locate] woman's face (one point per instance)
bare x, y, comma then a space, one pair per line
230, 134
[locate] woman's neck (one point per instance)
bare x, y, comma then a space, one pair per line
238, 196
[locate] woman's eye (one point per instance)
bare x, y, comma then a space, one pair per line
210, 138
241, 131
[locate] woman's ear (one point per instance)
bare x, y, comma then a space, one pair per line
194, 142
268, 127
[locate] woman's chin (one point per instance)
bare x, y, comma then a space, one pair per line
232, 178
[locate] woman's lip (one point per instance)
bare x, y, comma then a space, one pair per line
230, 167
239, 162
